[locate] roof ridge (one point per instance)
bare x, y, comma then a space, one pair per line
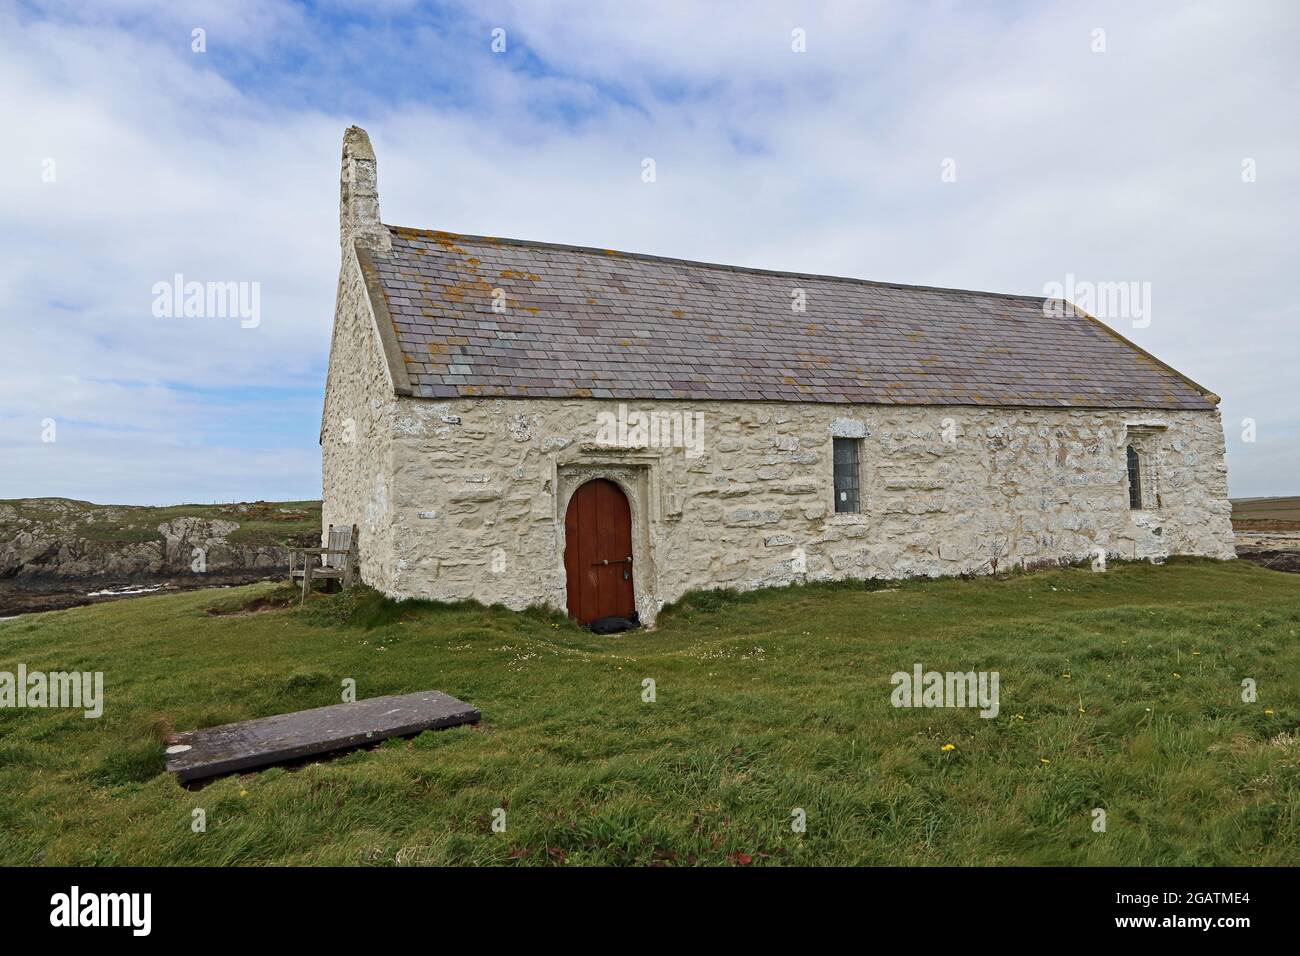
749, 270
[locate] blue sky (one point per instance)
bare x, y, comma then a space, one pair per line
1120, 164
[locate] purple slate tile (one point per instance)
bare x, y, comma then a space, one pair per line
582, 321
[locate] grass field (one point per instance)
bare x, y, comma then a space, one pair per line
1266, 514
1119, 691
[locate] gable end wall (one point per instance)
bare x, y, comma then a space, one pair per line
357, 430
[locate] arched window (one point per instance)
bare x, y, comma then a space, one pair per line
1134, 478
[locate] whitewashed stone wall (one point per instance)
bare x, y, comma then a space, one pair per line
357, 431
473, 506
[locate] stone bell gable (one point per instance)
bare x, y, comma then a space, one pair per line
601, 432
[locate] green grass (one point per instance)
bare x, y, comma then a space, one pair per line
765, 702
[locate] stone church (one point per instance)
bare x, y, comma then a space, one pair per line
601, 432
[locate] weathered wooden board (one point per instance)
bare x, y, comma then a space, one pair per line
196, 754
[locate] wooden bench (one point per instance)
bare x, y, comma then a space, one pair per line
339, 561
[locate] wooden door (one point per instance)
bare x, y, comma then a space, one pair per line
598, 552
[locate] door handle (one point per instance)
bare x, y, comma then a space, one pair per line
627, 560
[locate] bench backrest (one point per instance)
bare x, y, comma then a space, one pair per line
339, 539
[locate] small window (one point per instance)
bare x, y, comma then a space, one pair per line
1142, 460
846, 474
1134, 478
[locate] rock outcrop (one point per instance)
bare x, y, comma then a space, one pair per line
51, 540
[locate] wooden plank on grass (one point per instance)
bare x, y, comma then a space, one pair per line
196, 754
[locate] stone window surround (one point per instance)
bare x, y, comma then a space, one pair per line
847, 517
1145, 437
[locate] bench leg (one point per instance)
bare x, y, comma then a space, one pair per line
306, 584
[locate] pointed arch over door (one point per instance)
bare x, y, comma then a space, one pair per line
598, 552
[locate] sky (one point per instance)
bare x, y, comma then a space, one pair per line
1010, 147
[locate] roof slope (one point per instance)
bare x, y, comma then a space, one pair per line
604, 324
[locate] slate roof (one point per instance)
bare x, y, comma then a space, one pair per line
597, 323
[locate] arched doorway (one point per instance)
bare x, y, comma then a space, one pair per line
598, 552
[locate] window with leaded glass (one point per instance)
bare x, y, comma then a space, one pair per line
1134, 478
846, 475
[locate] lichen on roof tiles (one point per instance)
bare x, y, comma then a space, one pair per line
598, 317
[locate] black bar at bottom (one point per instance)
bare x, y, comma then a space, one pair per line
333, 905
